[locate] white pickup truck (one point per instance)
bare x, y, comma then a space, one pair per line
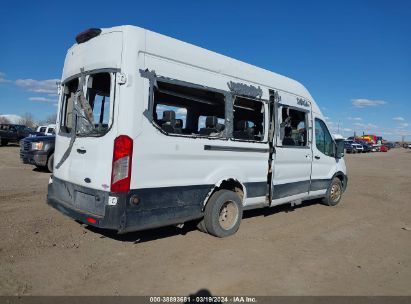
47, 130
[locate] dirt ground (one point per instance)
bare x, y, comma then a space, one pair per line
360, 247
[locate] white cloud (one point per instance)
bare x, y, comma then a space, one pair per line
403, 125
365, 126
399, 118
3, 78
181, 111
40, 86
355, 118
362, 102
347, 130
43, 99
13, 118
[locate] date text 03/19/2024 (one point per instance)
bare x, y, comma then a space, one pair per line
203, 299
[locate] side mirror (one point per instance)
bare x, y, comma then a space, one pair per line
339, 149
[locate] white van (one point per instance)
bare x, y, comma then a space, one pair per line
152, 131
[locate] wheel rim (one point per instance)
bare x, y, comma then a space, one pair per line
228, 215
335, 192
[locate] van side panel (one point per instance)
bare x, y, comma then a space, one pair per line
167, 165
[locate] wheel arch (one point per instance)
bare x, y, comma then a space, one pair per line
342, 177
229, 183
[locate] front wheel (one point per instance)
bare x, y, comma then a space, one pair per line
334, 193
223, 213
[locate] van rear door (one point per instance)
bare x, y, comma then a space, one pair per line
89, 161
98, 59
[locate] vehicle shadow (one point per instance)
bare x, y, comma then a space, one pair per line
41, 170
281, 208
169, 231
146, 235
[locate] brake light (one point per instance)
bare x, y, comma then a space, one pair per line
87, 35
121, 167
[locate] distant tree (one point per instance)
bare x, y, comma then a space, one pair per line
51, 119
28, 120
4, 120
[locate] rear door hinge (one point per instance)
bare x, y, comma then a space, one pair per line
122, 78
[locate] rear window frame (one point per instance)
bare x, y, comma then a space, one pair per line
114, 72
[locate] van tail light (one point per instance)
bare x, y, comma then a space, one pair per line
91, 220
121, 167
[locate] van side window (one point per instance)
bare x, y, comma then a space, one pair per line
202, 123
162, 110
248, 119
323, 139
187, 110
293, 127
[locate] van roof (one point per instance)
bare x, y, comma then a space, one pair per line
183, 52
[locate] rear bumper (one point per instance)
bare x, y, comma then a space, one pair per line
37, 158
68, 198
83, 204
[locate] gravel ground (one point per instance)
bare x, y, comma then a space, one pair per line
360, 247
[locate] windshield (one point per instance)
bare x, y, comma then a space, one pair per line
87, 104
21, 128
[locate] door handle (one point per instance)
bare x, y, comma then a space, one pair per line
81, 151
317, 157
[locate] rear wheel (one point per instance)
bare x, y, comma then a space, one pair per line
50, 162
223, 213
334, 192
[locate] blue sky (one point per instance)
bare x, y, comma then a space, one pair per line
353, 56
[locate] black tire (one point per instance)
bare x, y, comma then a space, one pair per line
334, 193
50, 162
223, 213
4, 142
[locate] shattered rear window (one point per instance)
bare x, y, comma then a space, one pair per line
88, 107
